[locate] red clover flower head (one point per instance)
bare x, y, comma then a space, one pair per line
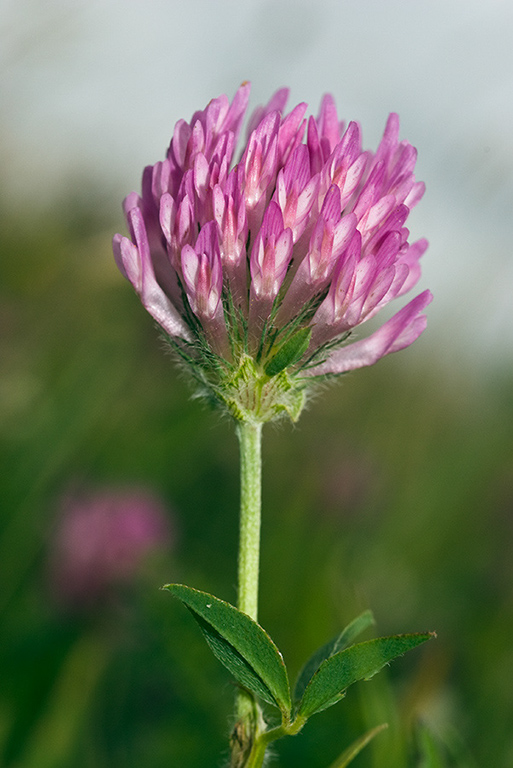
259, 271
101, 540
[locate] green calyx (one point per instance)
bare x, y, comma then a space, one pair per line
250, 394
249, 390
255, 374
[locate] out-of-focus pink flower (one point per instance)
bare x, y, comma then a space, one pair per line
281, 255
101, 540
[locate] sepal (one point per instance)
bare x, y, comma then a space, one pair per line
290, 352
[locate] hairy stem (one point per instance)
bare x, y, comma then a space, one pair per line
248, 713
250, 442
262, 741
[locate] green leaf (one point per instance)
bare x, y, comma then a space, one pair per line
359, 662
430, 751
239, 643
338, 643
437, 752
290, 352
349, 754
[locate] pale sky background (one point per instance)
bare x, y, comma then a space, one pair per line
93, 89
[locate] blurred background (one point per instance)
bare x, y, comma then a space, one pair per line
394, 491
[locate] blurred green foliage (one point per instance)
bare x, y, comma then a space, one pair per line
394, 492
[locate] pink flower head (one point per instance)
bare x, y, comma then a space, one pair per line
283, 254
101, 540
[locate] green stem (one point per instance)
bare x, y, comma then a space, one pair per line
257, 754
256, 757
250, 738
250, 443
248, 713
262, 741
